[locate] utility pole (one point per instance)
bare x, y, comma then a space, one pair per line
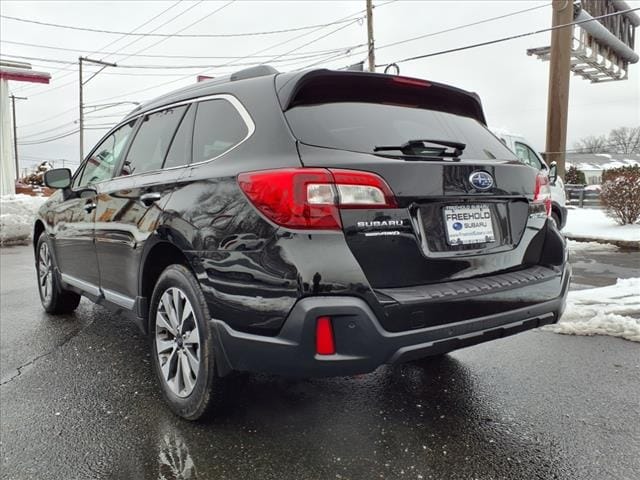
371, 47
81, 111
81, 83
559, 75
15, 133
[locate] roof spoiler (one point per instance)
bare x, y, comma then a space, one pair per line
328, 86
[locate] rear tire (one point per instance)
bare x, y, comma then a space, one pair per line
55, 299
556, 218
182, 348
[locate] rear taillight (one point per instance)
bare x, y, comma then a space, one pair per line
542, 193
310, 198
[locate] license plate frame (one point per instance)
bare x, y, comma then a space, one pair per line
468, 224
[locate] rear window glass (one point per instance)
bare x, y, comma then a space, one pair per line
362, 126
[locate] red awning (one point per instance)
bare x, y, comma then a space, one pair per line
23, 75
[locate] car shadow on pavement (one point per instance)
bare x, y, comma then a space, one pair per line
421, 419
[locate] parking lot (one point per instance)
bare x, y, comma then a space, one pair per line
78, 401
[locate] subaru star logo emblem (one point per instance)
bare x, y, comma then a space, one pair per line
481, 180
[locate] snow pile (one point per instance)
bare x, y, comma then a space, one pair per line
594, 223
17, 213
583, 246
613, 310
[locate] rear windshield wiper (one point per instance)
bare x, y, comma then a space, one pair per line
420, 147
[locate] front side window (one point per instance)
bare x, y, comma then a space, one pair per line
150, 145
527, 156
218, 128
102, 163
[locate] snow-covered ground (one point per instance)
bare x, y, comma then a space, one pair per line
16, 217
591, 246
594, 223
613, 310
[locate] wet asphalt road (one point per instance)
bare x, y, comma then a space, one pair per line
78, 401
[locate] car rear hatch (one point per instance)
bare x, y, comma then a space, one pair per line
454, 215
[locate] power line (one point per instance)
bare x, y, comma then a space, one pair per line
51, 139
343, 54
317, 39
164, 39
325, 60
168, 35
348, 18
120, 38
188, 57
121, 115
62, 135
459, 27
504, 39
58, 127
137, 39
126, 74
178, 67
47, 119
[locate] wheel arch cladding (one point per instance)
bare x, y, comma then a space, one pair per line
38, 228
159, 257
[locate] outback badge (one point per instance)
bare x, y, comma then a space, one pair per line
481, 180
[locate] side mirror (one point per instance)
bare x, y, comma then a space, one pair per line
553, 173
58, 178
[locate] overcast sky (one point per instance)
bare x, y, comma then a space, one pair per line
512, 85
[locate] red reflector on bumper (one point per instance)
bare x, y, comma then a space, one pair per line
325, 344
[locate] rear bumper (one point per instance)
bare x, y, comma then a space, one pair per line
362, 344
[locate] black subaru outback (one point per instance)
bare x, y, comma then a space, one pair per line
314, 223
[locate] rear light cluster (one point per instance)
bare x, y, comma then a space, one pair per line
542, 193
310, 198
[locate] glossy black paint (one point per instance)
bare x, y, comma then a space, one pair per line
70, 223
253, 273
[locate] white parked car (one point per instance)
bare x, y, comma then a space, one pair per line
528, 155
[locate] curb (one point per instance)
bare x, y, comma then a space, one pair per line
628, 244
14, 243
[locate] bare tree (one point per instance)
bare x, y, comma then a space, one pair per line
592, 144
624, 140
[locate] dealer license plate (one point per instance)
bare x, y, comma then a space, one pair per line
468, 224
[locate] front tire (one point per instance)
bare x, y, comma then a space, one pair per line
54, 298
182, 343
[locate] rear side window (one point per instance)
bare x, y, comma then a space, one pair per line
218, 128
362, 126
151, 143
527, 156
180, 150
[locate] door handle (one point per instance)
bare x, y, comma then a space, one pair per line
150, 198
89, 207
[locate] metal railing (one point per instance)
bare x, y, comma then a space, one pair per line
579, 195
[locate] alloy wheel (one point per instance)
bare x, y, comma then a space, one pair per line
45, 278
177, 342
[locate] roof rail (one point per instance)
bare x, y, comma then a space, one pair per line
251, 72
